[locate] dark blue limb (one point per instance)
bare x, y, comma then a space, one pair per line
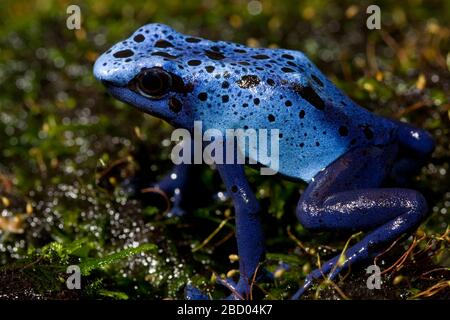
170, 191
405, 168
416, 145
173, 189
346, 196
194, 293
174, 185
249, 235
417, 140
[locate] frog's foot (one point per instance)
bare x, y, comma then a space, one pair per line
193, 293
331, 269
243, 289
346, 196
239, 291
169, 194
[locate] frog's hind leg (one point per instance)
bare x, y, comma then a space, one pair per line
347, 196
417, 140
416, 146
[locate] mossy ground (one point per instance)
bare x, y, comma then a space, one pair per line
65, 146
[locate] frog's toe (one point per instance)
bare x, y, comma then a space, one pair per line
176, 211
193, 293
238, 291
244, 289
309, 281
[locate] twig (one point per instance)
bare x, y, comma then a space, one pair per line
327, 280
431, 291
208, 239
112, 166
230, 287
253, 281
342, 255
400, 261
224, 239
387, 250
297, 241
413, 107
433, 270
339, 290
162, 193
371, 57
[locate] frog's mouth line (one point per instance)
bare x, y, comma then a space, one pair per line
149, 106
124, 94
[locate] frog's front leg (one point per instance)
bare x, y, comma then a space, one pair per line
347, 196
249, 235
175, 187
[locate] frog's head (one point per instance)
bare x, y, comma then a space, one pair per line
148, 71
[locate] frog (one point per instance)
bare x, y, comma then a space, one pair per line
342, 151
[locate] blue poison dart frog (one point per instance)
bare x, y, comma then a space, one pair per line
342, 151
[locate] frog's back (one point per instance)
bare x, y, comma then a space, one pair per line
280, 89
316, 121
234, 86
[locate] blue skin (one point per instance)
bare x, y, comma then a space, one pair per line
343, 151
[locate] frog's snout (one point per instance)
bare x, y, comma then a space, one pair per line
101, 70
112, 71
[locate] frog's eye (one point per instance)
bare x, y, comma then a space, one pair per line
154, 83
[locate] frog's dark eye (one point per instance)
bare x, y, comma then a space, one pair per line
154, 83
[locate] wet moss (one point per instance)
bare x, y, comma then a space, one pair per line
66, 148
